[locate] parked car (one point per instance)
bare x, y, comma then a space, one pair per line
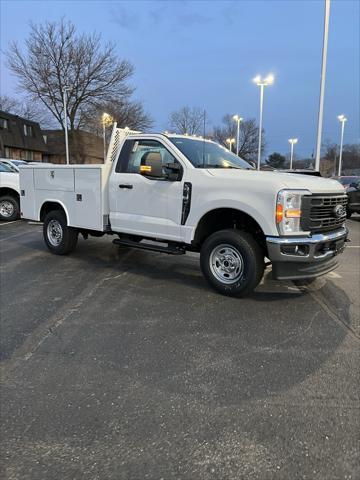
14, 164
346, 180
193, 195
9, 193
353, 193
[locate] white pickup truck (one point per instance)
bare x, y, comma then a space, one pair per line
9, 191
173, 194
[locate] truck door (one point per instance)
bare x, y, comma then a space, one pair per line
141, 205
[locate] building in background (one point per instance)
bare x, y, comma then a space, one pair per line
84, 147
21, 139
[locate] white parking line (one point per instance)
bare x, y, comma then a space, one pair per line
9, 223
353, 246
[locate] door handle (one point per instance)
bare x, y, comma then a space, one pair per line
126, 185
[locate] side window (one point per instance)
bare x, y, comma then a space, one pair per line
134, 152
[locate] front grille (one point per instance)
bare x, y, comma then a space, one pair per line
320, 213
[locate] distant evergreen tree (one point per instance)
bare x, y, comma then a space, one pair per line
276, 160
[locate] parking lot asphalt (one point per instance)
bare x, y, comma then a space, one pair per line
123, 364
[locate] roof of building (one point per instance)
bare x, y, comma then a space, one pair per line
14, 135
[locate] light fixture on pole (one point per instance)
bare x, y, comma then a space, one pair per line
237, 119
106, 120
64, 90
342, 119
230, 141
322, 85
262, 82
292, 141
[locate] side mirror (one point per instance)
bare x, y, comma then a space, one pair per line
151, 165
173, 171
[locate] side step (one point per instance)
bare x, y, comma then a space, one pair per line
170, 250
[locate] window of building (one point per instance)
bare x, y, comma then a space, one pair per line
27, 155
8, 152
4, 123
28, 130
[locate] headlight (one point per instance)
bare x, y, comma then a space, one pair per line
288, 211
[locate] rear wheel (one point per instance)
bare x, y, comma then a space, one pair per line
59, 238
232, 262
9, 208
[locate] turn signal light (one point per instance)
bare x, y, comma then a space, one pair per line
145, 168
293, 213
279, 213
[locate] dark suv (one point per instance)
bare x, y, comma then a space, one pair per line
353, 193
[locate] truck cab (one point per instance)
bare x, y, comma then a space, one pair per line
192, 194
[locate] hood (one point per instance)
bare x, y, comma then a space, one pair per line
278, 180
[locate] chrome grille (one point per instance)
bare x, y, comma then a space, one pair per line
319, 212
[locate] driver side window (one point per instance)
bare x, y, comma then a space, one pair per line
134, 153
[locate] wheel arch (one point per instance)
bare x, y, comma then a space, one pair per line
50, 205
225, 218
9, 191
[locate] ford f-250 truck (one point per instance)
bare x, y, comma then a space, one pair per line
173, 194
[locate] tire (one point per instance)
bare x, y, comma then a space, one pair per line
9, 208
232, 262
59, 238
348, 213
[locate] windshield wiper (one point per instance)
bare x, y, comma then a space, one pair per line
219, 166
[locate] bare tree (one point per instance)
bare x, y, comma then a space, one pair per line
126, 114
249, 136
57, 57
8, 104
187, 120
26, 108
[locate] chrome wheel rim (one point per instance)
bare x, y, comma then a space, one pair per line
54, 232
226, 264
6, 208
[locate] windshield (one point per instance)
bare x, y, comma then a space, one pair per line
4, 167
205, 154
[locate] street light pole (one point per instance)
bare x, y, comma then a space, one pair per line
342, 120
237, 119
106, 119
292, 141
65, 89
260, 124
230, 141
322, 85
262, 83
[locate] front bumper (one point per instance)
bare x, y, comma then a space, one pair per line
305, 257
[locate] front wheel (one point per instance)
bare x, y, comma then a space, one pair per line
59, 238
232, 262
348, 213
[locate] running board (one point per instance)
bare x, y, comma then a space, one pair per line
173, 250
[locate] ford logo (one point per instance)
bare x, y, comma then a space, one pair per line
339, 211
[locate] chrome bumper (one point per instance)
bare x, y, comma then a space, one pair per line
305, 257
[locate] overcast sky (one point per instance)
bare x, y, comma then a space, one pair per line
205, 53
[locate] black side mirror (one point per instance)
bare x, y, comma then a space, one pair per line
151, 165
173, 171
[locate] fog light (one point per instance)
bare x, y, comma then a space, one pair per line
300, 250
